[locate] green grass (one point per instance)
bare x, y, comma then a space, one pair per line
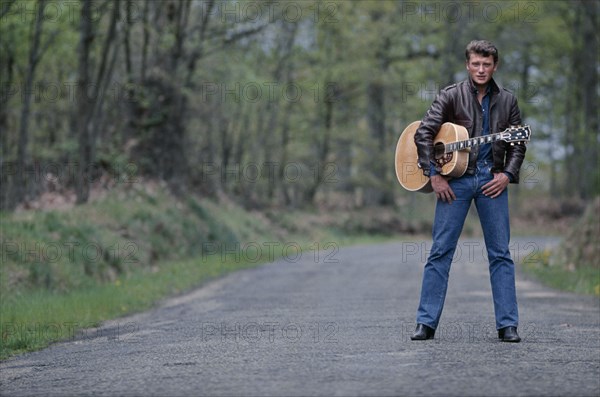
583, 279
575, 264
34, 319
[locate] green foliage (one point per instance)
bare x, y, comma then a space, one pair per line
232, 91
132, 229
575, 264
62, 251
582, 279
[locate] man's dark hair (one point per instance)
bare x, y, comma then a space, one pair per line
482, 47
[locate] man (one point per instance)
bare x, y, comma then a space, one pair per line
482, 107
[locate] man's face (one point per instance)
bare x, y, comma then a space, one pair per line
481, 69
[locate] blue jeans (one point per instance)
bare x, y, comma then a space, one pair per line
447, 227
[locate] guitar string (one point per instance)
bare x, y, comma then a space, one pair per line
454, 146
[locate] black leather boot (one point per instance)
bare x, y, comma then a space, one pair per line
509, 334
423, 332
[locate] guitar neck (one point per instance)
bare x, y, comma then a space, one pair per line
468, 143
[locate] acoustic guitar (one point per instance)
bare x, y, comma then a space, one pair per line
451, 152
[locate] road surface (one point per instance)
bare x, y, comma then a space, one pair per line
336, 324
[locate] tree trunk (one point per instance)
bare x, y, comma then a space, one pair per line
145, 41
374, 195
325, 146
22, 155
589, 96
84, 112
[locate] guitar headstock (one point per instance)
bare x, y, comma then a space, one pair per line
516, 134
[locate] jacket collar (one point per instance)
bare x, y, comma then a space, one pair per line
491, 86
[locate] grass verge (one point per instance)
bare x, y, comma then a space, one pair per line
36, 319
575, 264
584, 279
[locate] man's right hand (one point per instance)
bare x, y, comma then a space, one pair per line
442, 189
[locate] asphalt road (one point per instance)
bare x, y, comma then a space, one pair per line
338, 324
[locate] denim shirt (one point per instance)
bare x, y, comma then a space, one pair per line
485, 150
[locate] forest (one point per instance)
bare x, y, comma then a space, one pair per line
277, 103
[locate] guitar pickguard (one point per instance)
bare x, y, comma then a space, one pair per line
444, 159
440, 157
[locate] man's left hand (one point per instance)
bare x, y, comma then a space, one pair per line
496, 186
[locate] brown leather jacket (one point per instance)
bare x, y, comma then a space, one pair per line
458, 104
